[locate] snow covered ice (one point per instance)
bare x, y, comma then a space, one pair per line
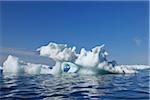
15, 66
68, 61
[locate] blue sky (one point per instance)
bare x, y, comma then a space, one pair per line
121, 26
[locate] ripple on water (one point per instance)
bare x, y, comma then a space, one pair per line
47, 87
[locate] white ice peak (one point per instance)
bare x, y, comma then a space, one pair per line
60, 52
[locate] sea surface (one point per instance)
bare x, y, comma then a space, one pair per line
75, 87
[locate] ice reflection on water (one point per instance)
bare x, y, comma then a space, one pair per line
105, 87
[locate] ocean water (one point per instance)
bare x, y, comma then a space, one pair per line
75, 87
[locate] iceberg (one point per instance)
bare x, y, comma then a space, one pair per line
13, 65
67, 61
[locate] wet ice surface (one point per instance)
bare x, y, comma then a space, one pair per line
48, 87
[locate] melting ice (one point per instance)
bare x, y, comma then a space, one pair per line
68, 61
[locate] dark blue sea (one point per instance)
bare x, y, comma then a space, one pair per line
75, 87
